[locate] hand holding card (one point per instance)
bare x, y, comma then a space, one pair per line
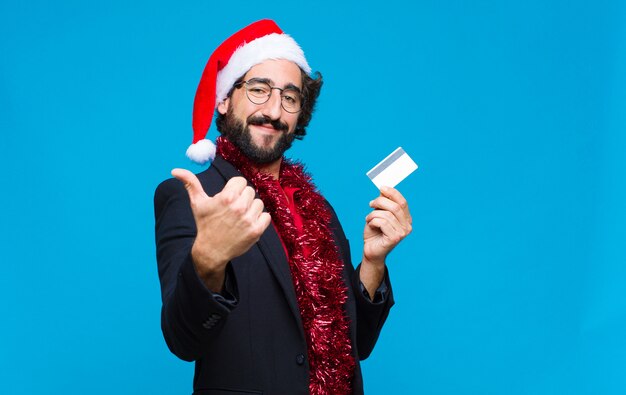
389, 222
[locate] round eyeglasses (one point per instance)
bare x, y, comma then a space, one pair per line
259, 91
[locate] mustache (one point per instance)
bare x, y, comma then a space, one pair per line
265, 120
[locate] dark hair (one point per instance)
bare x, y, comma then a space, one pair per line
311, 88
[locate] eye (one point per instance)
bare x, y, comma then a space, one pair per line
258, 89
290, 97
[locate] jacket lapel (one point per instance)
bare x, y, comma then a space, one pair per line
270, 246
274, 253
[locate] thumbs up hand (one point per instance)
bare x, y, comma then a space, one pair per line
228, 224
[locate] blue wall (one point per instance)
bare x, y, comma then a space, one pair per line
514, 279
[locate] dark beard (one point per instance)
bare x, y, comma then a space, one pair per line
233, 130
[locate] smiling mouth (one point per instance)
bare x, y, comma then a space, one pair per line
268, 128
267, 124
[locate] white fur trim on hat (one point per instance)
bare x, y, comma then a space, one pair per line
201, 152
272, 46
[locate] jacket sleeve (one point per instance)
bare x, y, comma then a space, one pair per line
192, 315
371, 315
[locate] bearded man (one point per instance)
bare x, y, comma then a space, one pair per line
257, 282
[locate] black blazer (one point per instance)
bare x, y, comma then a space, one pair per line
252, 341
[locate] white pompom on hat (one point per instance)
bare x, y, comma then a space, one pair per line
260, 41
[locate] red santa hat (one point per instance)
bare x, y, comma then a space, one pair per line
260, 41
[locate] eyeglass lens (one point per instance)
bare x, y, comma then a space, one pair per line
259, 92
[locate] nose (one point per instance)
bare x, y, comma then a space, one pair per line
273, 107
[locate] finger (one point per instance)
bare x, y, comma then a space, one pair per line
242, 204
246, 197
402, 229
191, 182
391, 221
233, 188
395, 196
260, 223
256, 208
264, 221
390, 234
386, 204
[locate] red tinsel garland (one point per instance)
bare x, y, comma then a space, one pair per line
317, 275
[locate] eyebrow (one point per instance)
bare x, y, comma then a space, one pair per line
292, 86
271, 83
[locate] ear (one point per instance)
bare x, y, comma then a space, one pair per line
222, 107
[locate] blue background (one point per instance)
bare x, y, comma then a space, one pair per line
514, 278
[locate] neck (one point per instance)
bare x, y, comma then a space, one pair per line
272, 168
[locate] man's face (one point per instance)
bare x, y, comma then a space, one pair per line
262, 131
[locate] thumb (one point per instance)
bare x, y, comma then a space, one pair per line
192, 184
